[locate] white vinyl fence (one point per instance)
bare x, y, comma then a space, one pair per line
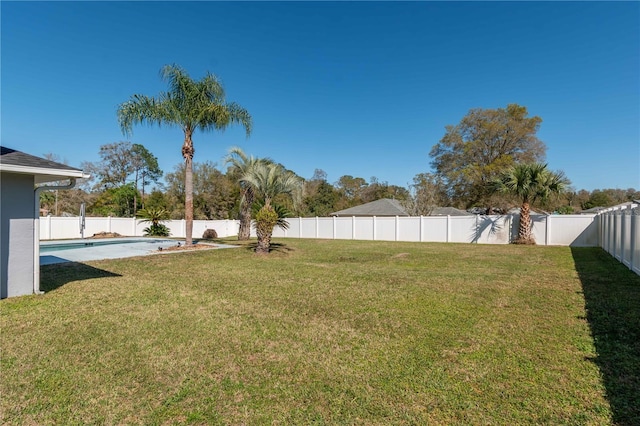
563, 230
57, 228
574, 230
620, 235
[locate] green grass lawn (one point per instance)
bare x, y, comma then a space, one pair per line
328, 332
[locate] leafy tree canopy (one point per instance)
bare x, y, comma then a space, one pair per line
485, 143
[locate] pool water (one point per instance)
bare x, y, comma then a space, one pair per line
72, 245
86, 250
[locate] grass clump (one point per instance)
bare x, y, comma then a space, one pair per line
328, 332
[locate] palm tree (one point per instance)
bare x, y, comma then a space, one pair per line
242, 166
270, 180
154, 216
529, 182
190, 105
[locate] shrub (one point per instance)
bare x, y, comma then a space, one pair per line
210, 234
154, 216
158, 230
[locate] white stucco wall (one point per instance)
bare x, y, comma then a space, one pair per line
16, 234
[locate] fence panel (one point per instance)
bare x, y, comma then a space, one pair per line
308, 228
385, 229
493, 229
462, 229
620, 235
61, 228
324, 227
434, 229
95, 225
344, 228
573, 230
409, 228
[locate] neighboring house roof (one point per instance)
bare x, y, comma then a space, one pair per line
593, 210
617, 206
449, 211
516, 210
382, 207
44, 170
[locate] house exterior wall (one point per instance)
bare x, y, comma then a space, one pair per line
17, 209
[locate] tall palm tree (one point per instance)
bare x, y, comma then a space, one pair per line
242, 165
190, 105
270, 180
529, 182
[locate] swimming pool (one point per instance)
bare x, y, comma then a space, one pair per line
80, 244
114, 248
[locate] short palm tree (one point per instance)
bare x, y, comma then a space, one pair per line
190, 105
154, 216
529, 182
270, 180
242, 165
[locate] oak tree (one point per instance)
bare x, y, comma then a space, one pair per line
486, 142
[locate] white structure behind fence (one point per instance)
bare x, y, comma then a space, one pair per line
620, 235
566, 230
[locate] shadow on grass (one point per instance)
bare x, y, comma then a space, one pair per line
612, 301
57, 275
273, 248
249, 245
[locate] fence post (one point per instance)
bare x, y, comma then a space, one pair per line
547, 229
510, 229
606, 230
615, 235
299, 227
632, 239
420, 228
397, 231
109, 223
632, 243
598, 217
353, 227
374, 228
334, 227
48, 227
317, 227
623, 233
448, 228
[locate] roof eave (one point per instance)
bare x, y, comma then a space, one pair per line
43, 175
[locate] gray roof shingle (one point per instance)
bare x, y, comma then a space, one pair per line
382, 207
18, 158
449, 211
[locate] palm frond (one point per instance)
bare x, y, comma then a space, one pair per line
530, 182
282, 212
142, 109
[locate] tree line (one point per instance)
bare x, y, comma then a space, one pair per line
470, 163
121, 185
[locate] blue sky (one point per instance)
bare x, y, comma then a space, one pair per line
359, 88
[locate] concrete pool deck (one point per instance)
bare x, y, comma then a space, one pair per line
61, 251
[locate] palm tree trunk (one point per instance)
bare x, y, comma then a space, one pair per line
142, 201
524, 228
264, 242
266, 220
244, 232
187, 153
